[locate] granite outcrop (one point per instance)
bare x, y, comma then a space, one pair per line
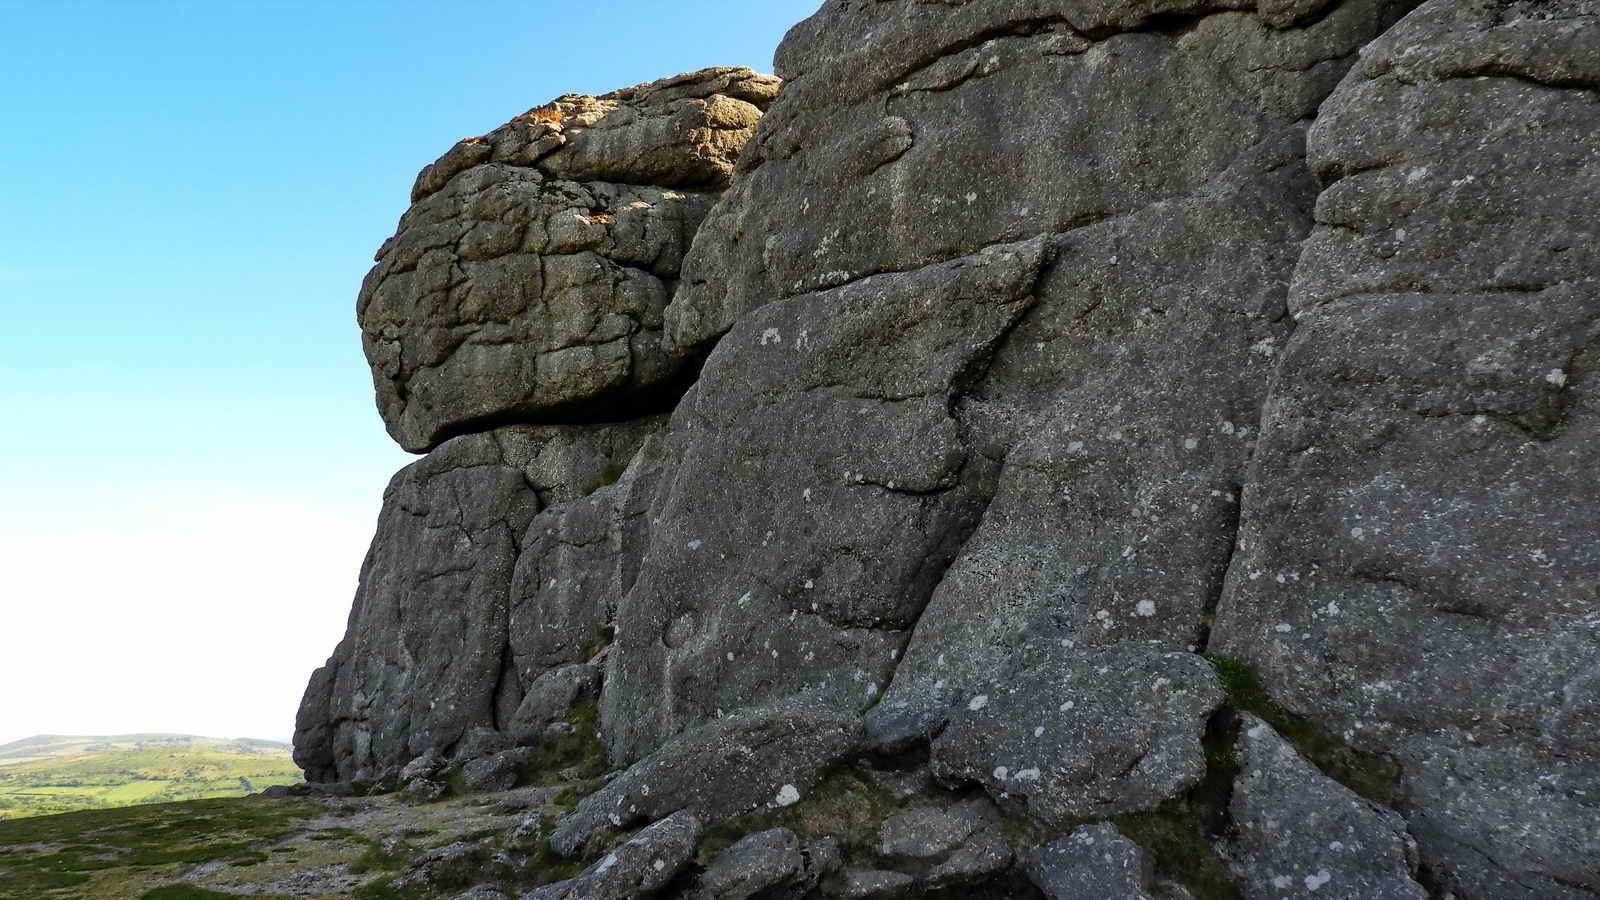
1037, 448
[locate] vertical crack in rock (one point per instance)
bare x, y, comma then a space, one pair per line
1230, 536
507, 693
1423, 509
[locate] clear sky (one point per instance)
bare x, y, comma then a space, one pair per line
190, 193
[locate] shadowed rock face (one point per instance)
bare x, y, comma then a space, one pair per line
527, 281
1299, 832
1041, 347
432, 647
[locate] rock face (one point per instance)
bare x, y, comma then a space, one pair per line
637, 868
822, 486
429, 619
1068, 736
527, 281
1302, 834
438, 638
1055, 365
760, 759
1418, 565
1092, 861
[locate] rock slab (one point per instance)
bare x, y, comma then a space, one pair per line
1299, 833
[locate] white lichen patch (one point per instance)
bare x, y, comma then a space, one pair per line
1146, 608
978, 702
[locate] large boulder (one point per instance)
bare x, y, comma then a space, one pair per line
527, 281
1046, 345
1418, 565
638, 868
1093, 861
760, 759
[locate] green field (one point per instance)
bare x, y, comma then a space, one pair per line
115, 772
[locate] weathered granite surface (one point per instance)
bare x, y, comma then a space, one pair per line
1062, 736
1057, 364
527, 281
432, 646
821, 486
760, 759
421, 660
1299, 833
1418, 564
1092, 861
638, 868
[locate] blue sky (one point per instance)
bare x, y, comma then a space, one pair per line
190, 193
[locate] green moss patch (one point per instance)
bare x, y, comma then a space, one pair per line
183, 892
384, 889
384, 856
580, 750
1181, 835
1374, 776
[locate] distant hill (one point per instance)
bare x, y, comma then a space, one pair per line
59, 773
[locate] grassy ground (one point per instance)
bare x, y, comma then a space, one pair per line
115, 853
118, 776
264, 848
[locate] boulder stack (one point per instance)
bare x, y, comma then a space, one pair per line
1171, 430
